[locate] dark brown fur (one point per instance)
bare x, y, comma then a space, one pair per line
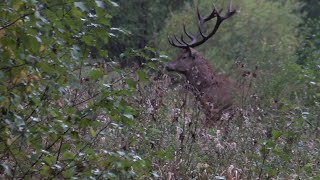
214, 91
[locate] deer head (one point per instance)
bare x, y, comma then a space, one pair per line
184, 62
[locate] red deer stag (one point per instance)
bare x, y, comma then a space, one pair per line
214, 91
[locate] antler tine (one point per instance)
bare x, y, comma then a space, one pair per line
230, 6
188, 34
172, 43
198, 14
212, 15
178, 41
230, 11
182, 40
201, 34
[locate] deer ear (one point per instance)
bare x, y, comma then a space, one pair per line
192, 53
188, 50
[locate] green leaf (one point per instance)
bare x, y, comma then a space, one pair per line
142, 75
129, 116
45, 171
81, 5
104, 53
7, 169
76, 13
65, 147
31, 43
166, 154
68, 174
220, 178
131, 83
17, 4
68, 155
89, 40
152, 66
96, 74
155, 174
93, 132
50, 160
75, 52
85, 123
114, 3
270, 144
150, 49
100, 4
276, 134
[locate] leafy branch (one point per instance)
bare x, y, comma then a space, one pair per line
29, 14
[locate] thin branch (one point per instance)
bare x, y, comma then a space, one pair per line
10, 67
29, 116
30, 13
59, 150
10, 152
82, 149
40, 157
43, 97
265, 156
86, 100
13, 22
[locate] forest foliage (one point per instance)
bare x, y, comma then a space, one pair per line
84, 93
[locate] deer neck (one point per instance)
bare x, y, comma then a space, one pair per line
201, 76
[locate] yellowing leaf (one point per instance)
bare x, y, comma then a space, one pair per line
93, 132
29, 89
42, 48
34, 78
17, 5
9, 141
2, 33
16, 81
23, 74
19, 23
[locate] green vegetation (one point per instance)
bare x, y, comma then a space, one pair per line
263, 34
70, 108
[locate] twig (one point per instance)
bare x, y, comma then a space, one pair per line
13, 22
263, 162
10, 152
38, 159
83, 148
88, 99
10, 67
28, 14
41, 99
59, 150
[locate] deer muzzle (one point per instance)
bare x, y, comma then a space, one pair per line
170, 67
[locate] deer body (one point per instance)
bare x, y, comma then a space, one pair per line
214, 91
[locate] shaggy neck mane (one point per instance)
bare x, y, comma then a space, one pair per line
202, 74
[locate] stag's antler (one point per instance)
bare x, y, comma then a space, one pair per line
181, 43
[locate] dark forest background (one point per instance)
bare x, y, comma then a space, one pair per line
84, 92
